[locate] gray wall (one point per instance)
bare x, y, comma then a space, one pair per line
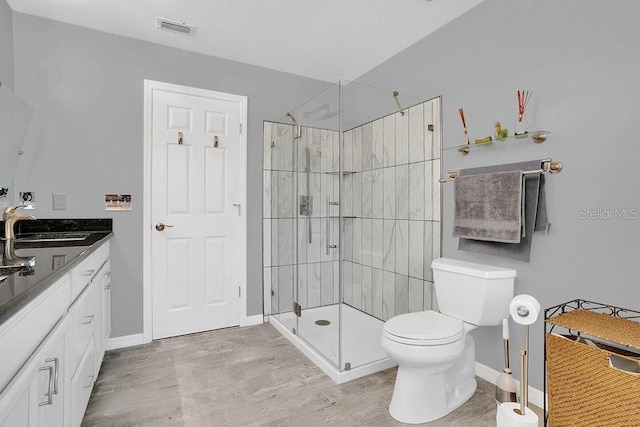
580, 58
86, 88
6, 44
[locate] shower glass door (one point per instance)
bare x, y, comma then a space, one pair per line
317, 161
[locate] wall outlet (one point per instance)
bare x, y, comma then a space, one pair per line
58, 261
59, 202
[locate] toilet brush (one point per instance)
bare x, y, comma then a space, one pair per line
506, 385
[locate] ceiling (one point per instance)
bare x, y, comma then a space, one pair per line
322, 39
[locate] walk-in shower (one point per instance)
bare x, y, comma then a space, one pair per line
351, 221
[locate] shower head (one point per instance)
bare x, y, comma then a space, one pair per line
297, 125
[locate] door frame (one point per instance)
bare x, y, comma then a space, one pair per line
147, 222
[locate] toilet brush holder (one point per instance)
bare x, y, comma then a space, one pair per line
506, 390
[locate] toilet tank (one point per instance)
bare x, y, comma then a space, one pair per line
474, 293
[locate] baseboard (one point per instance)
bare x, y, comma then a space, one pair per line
536, 397
124, 341
253, 320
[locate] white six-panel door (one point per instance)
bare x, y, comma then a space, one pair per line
196, 258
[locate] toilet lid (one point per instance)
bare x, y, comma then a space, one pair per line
424, 328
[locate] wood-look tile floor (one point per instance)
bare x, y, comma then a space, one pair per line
246, 377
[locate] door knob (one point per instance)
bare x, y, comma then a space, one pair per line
160, 226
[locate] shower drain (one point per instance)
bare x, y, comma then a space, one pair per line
322, 322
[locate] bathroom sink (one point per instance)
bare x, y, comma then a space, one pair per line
53, 237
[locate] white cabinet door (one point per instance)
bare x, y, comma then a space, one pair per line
81, 385
50, 386
106, 303
35, 396
21, 412
102, 289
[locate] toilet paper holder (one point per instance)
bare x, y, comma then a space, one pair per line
524, 310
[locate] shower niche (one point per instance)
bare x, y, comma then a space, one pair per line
351, 221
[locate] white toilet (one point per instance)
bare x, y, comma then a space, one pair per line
435, 353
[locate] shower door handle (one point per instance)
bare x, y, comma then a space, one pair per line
329, 245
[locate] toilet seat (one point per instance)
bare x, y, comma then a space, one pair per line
424, 328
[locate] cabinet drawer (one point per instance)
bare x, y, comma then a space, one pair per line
81, 385
26, 330
81, 276
82, 314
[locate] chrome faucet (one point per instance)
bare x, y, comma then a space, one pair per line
10, 218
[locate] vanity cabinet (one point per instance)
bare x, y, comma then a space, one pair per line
57, 344
86, 346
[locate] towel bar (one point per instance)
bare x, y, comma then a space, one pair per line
548, 166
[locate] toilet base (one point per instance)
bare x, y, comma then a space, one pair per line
421, 396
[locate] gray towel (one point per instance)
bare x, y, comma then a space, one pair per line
489, 207
535, 217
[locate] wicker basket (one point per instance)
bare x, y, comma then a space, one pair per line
585, 391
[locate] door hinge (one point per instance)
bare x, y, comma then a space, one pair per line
273, 293
240, 128
297, 309
430, 128
239, 292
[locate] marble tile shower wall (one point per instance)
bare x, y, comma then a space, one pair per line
392, 211
315, 273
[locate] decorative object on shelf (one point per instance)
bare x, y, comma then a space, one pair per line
523, 101
395, 98
539, 137
486, 140
501, 134
464, 125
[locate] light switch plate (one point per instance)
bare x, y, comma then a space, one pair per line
59, 202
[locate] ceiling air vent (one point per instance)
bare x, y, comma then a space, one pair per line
175, 26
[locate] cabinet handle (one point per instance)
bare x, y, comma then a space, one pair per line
89, 273
49, 400
88, 319
108, 285
90, 383
56, 364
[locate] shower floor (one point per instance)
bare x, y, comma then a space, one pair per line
361, 335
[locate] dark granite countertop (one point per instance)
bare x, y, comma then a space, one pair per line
52, 259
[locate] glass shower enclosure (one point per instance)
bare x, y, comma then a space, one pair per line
351, 221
